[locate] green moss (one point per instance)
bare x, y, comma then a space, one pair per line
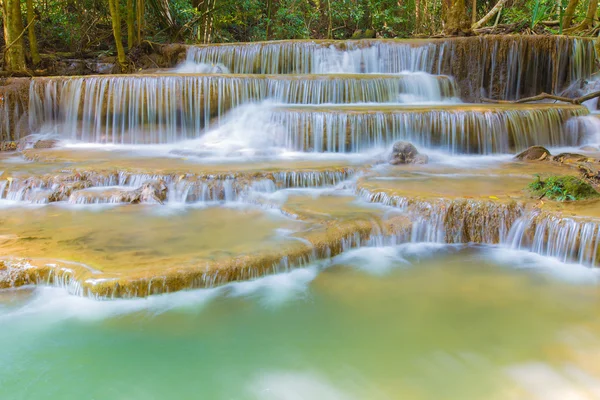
562, 188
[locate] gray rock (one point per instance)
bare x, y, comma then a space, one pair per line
406, 153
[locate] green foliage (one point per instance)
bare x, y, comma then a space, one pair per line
71, 26
84, 26
542, 10
562, 188
294, 19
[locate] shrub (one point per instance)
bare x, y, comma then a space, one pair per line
562, 188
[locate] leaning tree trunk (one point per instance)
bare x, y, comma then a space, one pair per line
569, 13
116, 25
457, 21
14, 53
33, 46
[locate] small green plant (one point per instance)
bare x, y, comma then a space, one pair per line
562, 188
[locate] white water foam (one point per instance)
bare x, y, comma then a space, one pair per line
54, 304
49, 304
523, 259
190, 67
287, 385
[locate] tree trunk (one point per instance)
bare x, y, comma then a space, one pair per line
474, 12
13, 38
33, 46
130, 25
590, 15
140, 8
269, 16
457, 21
330, 24
569, 13
116, 25
489, 15
597, 45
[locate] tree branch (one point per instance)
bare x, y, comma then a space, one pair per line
546, 96
489, 15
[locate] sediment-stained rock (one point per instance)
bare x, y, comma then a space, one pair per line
534, 153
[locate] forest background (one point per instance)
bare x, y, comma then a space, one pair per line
119, 28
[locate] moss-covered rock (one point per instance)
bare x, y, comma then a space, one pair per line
562, 188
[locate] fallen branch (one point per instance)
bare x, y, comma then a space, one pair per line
489, 15
546, 96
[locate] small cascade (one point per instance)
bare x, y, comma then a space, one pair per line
105, 187
478, 129
309, 57
490, 222
586, 129
168, 108
13, 109
505, 67
452, 221
568, 239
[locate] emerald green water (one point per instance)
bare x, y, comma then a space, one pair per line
418, 321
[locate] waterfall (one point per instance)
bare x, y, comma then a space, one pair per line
568, 239
168, 108
13, 109
506, 67
585, 128
489, 222
458, 129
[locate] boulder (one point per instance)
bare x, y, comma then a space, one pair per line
589, 148
534, 153
406, 153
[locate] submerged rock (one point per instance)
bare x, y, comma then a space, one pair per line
534, 153
589, 148
406, 153
45, 144
33, 141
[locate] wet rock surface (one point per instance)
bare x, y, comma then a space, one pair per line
534, 153
406, 153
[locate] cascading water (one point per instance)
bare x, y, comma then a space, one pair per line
504, 66
584, 130
356, 97
454, 129
167, 108
568, 239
